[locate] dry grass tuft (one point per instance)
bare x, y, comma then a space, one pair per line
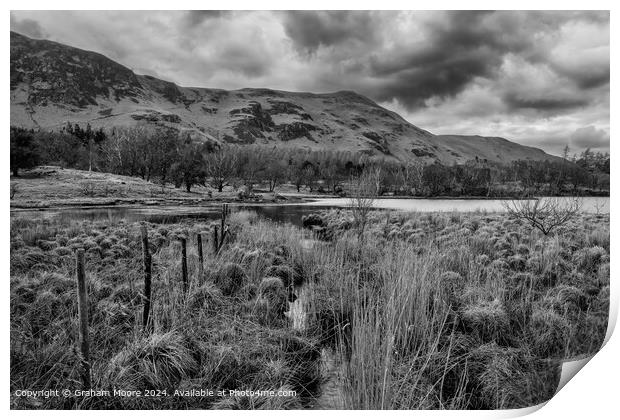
230, 278
487, 320
159, 361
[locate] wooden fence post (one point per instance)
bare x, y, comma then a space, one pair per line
200, 255
146, 256
222, 224
184, 262
216, 241
83, 316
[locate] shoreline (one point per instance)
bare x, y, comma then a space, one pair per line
184, 202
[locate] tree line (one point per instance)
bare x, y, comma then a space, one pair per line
166, 157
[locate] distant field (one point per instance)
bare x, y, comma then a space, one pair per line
50, 186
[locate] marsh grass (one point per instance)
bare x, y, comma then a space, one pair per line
423, 311
434, 325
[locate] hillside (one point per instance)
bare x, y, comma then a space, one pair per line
52, 83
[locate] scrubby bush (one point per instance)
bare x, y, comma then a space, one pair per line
488, 320
273, 290
588, 259
506, 377
119, 317
550, 333
206, 297
159, 361
566, 298
230, 278
518, 286
285, 273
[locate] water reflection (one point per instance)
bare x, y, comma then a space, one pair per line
287, 213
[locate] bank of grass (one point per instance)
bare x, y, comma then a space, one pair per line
463, 311
428, 311
52, 186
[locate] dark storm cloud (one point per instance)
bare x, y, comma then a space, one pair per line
28, 27
431, 73
310, 29
588, 77
449, 51
593, 80
459, 48
590, 137
544, 104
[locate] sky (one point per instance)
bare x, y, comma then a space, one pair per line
537, 78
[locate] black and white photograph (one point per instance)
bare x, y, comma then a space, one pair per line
306, 209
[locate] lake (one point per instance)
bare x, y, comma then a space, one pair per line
590, 204
288, 213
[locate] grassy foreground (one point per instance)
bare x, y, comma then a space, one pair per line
427, 311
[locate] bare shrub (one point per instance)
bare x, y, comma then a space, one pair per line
363, 192
545, 214
598, 207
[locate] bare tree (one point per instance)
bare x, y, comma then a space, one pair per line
377, 176
545, 214
249, 166
363, 192
413, 173
221, 167
599, 206
275, 169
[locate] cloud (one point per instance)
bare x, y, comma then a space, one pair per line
311, 29
458, 48
590, 137
543, 104
533, 77
28, 27
197, 17
462, 46
414, 57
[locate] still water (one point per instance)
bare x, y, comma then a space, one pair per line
290, 213
589, 204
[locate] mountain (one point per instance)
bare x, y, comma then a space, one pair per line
52, 84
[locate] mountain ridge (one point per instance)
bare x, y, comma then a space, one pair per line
52, 83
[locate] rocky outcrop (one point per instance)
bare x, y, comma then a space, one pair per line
295, 130
57, 74
251, 122
154, 116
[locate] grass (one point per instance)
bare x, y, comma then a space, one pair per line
425, 311
52, 186
464, 311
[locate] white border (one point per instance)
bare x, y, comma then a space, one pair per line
592, 394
